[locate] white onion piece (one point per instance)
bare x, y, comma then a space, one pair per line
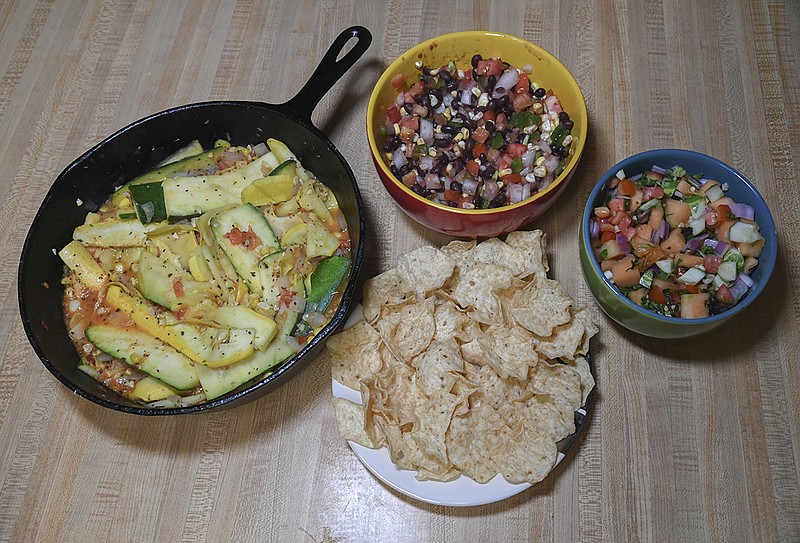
426, 163
490, 189
294, 343
315, 319
469, 186
551, 163
505, 82
426, 131
528, 157
260, 149
399, 158
400, 100
432, 181
514, 193
526, 190
298, 304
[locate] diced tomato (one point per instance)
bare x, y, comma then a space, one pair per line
472, 168
407, 134
398, 80
503, 161
621, 219
177, 287
478, 150
393, 113
691, 289
501, 122
409, 121
627, 187
712, 218
285, 298
648, 193
522, 85
607, 227
657, 295
480, 135
417, 88
724, 212
493, 154
488, 115
516, 149
616, 204
513, 178
607, 235
711, 263
249, 239
724, 294
465, 199
522, 101
409, 179
489, 67
452, 195
629, 232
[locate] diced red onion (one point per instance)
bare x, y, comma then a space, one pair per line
432, 181
636, 177
514, 193
594, 229
426, 130
655, 237
747, 280
426, 163
469, 186
399, 158
622, 243
526, 191
659, 169
505, 82
739, 288
490, 189
742, 210
400, 100
694, 244
663, 229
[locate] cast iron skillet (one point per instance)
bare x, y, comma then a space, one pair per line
140, 146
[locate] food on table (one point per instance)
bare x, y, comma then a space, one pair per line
204, 273
478, 137
674, 243
469, 361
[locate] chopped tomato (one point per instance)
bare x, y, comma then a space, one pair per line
522, 85
488, 115
398, 80
607, 235
409, 121
417, 89
657, 295
489, 67
691, 289
522, 102
616, 204
648, 193
407, 134
512, 178
711, 263
480, 135
285, 298
501, 122
472, 168
478, 150
393, 113
249, 239
177, 287
516, 149
503, 161
452, 195
724, 294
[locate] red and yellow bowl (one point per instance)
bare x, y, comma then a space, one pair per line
547, 72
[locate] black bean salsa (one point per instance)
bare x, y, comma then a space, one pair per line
479, 138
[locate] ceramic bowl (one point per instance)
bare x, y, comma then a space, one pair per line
646, 322
459, 47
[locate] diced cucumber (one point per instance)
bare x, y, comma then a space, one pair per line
245, 258
325, 281
145, 352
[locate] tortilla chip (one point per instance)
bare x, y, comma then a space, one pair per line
354, 354
542, 412
425, 269
450, 321
408, 329
471, 439
540, 306
510, 350
460, 251
581, 366
437, 369
433, 420
495, 251
475, 289
386, 288
531, 244
497, 391
350, 420
527, 458
559, 381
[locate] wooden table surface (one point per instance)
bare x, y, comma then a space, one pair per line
686, 441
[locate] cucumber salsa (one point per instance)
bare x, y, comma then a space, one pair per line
674, 243
204, 273
475, 137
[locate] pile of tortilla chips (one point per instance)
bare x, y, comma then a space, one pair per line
469, 361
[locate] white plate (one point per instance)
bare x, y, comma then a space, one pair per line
460, 492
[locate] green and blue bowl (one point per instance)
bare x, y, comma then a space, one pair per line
643, 321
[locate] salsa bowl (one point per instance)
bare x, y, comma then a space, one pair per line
460, 48
648, 322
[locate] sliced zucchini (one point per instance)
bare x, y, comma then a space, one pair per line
87, 269
240, 222
325, 282
166, 284
151, 389
239, 316
113, 233
146, 353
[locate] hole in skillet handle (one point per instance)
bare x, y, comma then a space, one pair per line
330, 69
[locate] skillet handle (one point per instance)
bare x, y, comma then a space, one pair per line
328, 72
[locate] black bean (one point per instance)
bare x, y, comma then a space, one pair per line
445, 75
470, 124
408, 107
539, 93
451, 85
489, 126
563, 116
449, 129
490, 169
568, 124
491, 81
455, 185
426, 193
469, 144
501, 103
498, 201
475, 59
416, 187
